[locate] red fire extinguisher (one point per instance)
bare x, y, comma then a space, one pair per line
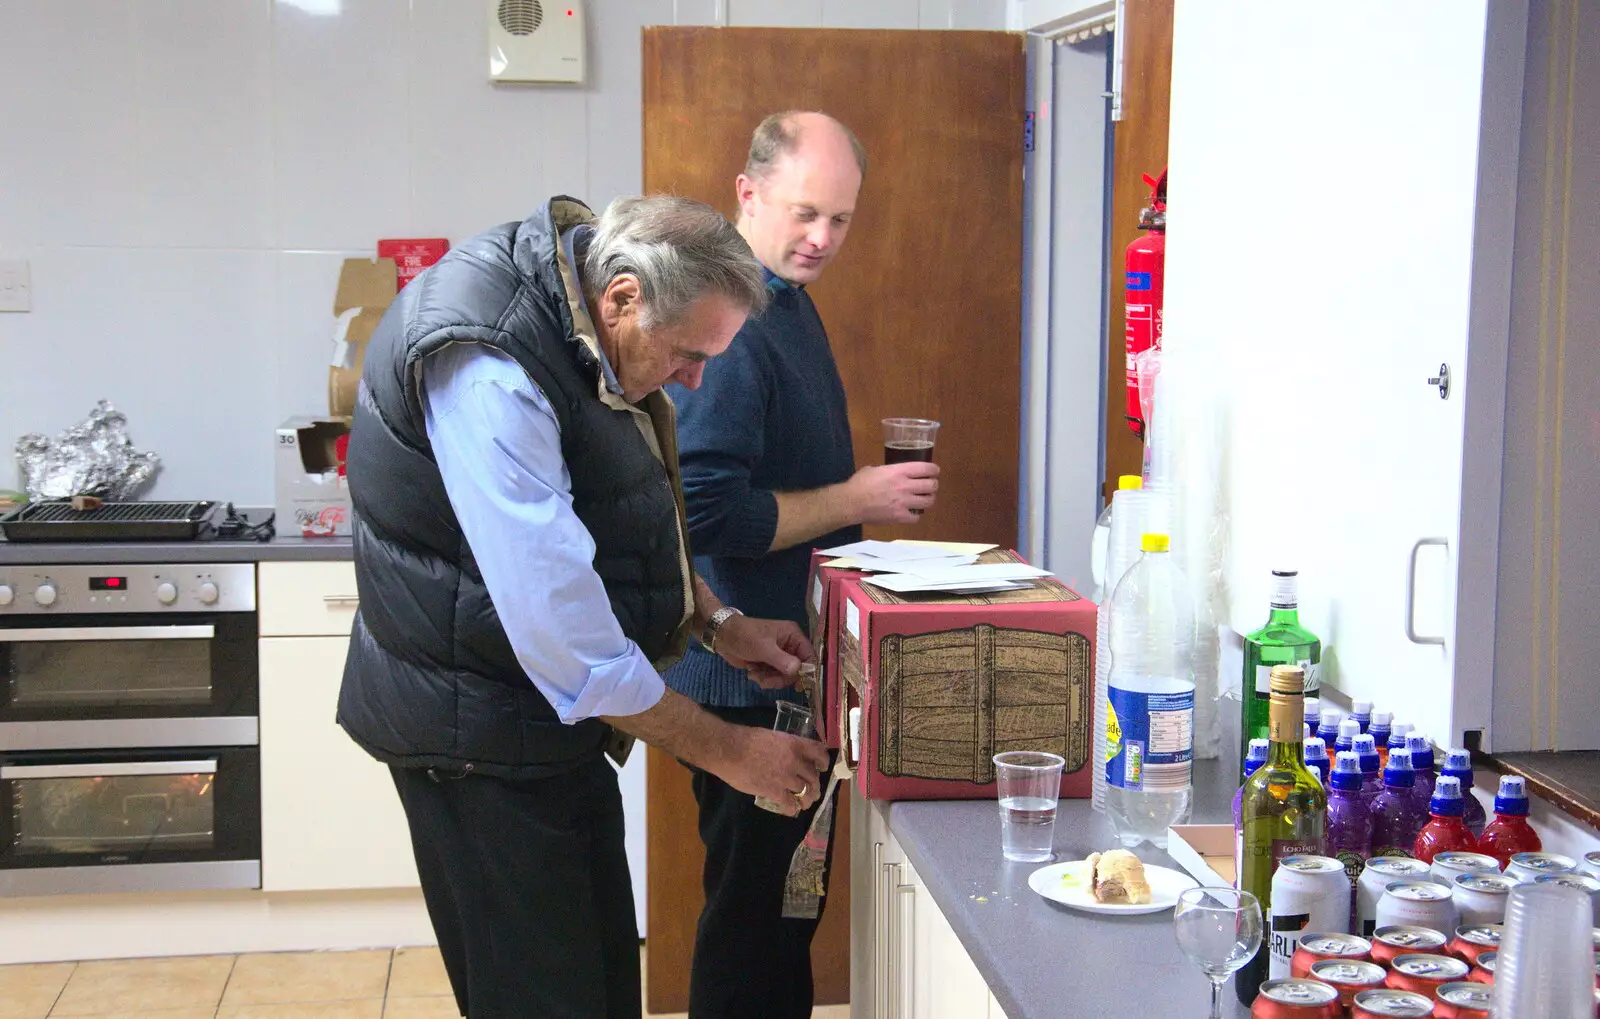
1145, 262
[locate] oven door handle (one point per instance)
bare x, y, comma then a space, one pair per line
59, 633
113, 769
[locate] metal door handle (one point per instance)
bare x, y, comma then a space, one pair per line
907, 976
891, 954
880, 938
113, 769
341, 599
1411, 592
57, 633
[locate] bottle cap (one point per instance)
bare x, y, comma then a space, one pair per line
1129, 482
1361, 709
1316, 745
1512, 799
1154, 543
1397, 734
1458, 765
1366, 747
1349, 729
1399, 773
1347, 771
1259, 748
1305, 732
1328, 719
1447, 800
1313, 707
1382, 718
1288, 679
1421, 751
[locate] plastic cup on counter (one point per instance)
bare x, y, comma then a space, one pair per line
1030, 787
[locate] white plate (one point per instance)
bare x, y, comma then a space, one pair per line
1053, 883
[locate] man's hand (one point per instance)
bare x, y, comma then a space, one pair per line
893, 494
785, 769
770, 650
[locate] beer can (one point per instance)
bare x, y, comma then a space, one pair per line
1483, 969
1481, 898
1472, 940
1582, 882
1380, 872
1418, 903
1348, 977
1293, 998
1527, 866
1390, 1004
1389, 943
1425, 974
1309, 893
1314, 948
1464, 1001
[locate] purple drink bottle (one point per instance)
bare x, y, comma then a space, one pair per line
1349, 825
1396, 816
1422, 764
1317, 758
1458, 764
1371, 769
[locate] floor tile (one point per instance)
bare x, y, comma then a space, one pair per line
418, 972
120, 986
27, 992
281, 977
421, 1008
364, 1008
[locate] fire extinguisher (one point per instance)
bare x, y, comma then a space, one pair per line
1145, 262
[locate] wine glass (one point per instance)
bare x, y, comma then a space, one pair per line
1220, 929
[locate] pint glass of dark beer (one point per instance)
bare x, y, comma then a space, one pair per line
908, 439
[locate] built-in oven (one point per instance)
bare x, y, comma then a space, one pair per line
128, 728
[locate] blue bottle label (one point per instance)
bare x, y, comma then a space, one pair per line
1151, 745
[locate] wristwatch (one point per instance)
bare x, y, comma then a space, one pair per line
714, 624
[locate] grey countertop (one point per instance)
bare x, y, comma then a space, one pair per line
279, 549
1043, 960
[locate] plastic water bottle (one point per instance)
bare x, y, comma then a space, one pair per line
1099, 549
1150, 724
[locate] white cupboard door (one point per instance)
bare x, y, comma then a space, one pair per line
330, 816
307, 599
1320, 265
947, 983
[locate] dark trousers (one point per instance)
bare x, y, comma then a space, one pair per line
749, 962
528, 890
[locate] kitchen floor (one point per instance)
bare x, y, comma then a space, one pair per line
406, 983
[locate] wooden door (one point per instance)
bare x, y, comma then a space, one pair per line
1139, 147
923, 307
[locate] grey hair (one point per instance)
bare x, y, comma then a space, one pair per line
779, 135
679, 250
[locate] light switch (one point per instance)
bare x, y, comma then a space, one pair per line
16, 289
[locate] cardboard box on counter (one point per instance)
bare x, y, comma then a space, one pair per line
946, 682
822, 612
312, 498
366, 289
1205, 851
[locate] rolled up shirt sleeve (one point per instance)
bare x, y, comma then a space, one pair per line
498, 445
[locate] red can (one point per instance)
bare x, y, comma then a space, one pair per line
1389, 943
1483, 969
1293, 998
1473, 940
1349, 977
1425, 974
1464, 1001
1390, 1004
1314, 948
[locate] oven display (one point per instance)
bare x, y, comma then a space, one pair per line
108, 583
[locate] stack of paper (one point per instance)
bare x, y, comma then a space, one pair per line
909, 566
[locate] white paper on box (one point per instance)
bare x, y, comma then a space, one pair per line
816, 593
852, 619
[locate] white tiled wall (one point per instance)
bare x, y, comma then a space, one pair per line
186, 175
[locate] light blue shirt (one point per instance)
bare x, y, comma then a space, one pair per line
498, 445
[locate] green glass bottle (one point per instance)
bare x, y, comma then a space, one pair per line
1283, 810
1283, 641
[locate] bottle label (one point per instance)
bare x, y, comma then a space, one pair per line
1354, 864
1310, 668
1153, 749
1392, 851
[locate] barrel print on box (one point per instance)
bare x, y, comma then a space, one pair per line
951, 700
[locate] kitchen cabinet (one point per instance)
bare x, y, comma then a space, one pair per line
330, 817
906, 960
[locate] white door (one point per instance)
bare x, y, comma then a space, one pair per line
1323, 189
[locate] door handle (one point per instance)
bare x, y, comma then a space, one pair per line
111, 769
1411, 592
45, 634
907, 960
341, 599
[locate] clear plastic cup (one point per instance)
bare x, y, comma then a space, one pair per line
1546, 963
908, 439
796, 720
1030, 786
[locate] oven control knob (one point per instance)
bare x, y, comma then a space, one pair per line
166, 593
208, 593
45, 594
6, 595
